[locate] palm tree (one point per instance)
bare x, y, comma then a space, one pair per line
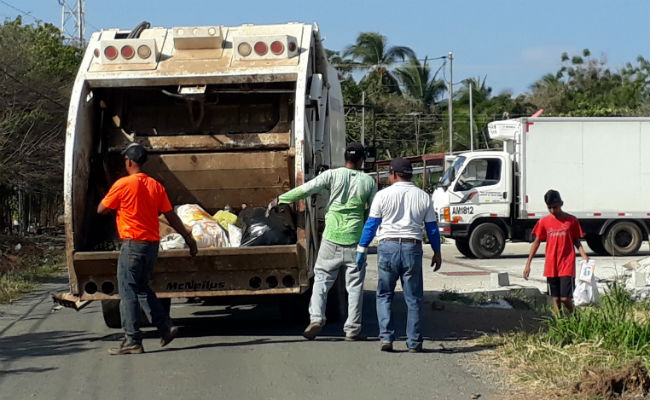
418, 83
373, 54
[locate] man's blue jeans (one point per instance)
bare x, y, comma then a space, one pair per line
134, 268
401, 261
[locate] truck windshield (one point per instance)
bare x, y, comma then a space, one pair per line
450, 173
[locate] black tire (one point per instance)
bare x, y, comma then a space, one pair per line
113, 318
295, 308
595, 243
337, 300
623, 238
111, 313
463, 246
487, 241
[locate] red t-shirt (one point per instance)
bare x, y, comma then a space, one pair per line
138, 199
559, 234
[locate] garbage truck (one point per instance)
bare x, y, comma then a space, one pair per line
230, 117
600, 166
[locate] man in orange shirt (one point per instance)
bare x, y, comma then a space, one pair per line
138, 200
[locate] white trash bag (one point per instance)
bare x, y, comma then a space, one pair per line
172, 241
586, 291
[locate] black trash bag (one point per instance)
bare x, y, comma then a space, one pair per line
277, 228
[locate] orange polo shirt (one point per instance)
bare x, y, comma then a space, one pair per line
138, 199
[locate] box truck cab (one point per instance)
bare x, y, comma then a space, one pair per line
229, 116
599, 166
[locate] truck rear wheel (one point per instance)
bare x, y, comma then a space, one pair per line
487, 241
113, 318
595, 243
463, 246
623, 239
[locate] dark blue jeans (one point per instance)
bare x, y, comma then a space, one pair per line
134, 268
401, 261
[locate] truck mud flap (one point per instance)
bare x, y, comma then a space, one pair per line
212, 272
69, 300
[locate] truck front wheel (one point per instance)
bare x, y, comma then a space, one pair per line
463, 246
487, 241
623, 239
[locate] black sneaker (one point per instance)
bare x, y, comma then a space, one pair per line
386, 346
126, 348
167, 336
312, 330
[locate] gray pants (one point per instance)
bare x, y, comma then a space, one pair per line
333, 257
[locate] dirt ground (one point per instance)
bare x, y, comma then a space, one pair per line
20, 251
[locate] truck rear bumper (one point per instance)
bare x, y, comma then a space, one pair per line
259, 270
454, 230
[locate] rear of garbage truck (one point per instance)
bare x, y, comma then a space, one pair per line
231, 117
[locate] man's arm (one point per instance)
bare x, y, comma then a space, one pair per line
578, 245
434, 240
369, 231
305, 190
177, 224
533, 251
102, 209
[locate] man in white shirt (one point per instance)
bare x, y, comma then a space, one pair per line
398, 215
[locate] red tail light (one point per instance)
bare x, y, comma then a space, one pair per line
110, 52
277, 47
96, 52
127, 52
261, 48
292, 46
144, 51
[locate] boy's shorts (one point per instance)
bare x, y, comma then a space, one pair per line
562, 286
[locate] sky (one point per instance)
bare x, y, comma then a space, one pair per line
510, 43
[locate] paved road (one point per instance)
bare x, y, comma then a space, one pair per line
247, 352
240, 353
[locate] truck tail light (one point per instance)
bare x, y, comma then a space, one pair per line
110, 52
144, 51
127, 52
292, 46
96, 52
446, 214
244, 49
277, 47
261, 48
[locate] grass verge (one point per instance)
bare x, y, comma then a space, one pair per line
594, 343
26, 269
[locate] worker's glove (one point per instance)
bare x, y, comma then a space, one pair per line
272, 204
361, 260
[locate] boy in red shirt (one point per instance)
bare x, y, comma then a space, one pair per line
562, 232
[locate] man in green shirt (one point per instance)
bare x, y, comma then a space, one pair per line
351, 193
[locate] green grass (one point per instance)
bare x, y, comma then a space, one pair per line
613, 334
29, 274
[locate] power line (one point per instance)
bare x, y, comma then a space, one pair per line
26, 13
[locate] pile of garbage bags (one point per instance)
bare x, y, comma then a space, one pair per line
254, 226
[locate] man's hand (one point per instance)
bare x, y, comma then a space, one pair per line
436, 261
526, 272
361, 260
269, 207
189, 239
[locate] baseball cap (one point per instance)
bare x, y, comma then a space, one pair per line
136, 153
401, 165
356, 149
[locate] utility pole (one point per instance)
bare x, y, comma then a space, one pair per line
363, 118
471, 119
451, 101
73, 25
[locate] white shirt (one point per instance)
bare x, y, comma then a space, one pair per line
403, 209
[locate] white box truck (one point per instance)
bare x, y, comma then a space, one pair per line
229, 115
600, 166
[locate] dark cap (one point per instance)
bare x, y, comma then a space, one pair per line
401, 165
136, 153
